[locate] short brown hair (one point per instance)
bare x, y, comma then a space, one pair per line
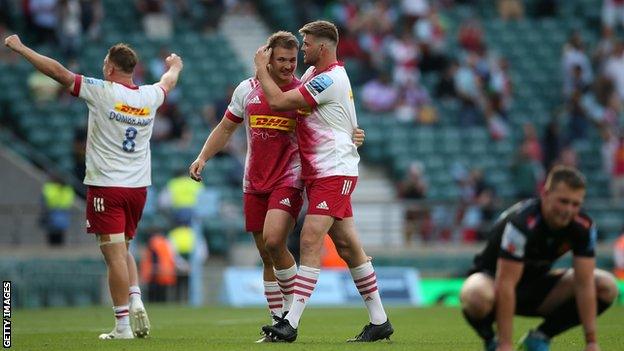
572, 177
123, 56
321, 29
282, 39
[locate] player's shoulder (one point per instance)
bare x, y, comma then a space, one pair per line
247, 85
524, 215
95, 82
582, 222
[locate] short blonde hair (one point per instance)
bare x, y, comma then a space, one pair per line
282, 39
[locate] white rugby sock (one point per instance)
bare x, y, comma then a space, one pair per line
122, 320
365, 281
274, 297
286, 281
305, 282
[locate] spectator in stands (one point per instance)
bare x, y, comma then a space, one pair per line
404, 53
182, 239
158, 268
157, 22
417, 221
614, 68
92, 13
531, 143
414, 11
470, 35
431, 35
526, 173
604, 48
43, 20
577, 116
379, 94
207, 20
568, 157
69, 31
552, 143
43, 89
180, 195
445, 87
58, 198
415, 104
510, 9
468, 87
612, 13
574, 55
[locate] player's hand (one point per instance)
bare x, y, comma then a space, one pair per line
13, 42
592, 346
262, 57
174, 61
196, 168
358, 137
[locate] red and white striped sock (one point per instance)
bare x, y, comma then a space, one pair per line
286, 281
274, 297
135, 295
305, 282
366, 282
121, 316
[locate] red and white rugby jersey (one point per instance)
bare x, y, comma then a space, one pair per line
272, 154
120, 125
325, 134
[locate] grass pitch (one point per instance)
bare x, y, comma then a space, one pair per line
221, 328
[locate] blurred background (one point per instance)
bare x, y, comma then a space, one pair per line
466, 106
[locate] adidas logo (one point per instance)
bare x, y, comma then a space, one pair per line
368, 298
255, 100
322, 206
285, 202
301, 300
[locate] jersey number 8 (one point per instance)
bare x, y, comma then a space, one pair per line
128, 144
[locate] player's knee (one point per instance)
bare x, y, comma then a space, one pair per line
606, 288
273, 245
477, 300
310, 243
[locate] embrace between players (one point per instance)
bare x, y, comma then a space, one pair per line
310, 142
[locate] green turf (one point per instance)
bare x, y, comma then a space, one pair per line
220, 328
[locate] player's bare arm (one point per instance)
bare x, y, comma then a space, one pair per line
170, 78
278, 100
358, 137
585, 292
508, 274
215, 142
44, 64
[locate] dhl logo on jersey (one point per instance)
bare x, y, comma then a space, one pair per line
134, 111
272, 122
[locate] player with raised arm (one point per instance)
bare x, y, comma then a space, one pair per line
329, 161
118, 167
272, 181
513, 275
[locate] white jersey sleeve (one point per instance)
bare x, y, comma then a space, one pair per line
323, 88
236, 108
